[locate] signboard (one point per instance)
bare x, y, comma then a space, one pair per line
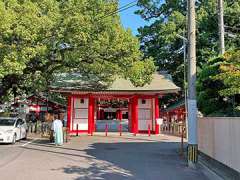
35, 108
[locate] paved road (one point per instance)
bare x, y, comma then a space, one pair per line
97, 157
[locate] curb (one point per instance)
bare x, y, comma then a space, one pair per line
219, 169
209, 173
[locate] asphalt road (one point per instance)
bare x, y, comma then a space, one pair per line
97, 157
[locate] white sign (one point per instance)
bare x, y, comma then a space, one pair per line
159, 121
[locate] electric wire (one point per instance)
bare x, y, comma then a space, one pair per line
122, 8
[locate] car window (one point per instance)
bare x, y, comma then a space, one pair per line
19, 122
7, 122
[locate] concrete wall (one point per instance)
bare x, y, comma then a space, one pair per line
219, 138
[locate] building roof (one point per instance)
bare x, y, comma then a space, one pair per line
69, 82
41, 98
176, 105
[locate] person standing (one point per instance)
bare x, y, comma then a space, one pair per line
57, 127
50, 118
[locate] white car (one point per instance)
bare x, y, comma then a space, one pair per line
12, 130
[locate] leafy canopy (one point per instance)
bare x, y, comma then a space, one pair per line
40, 38
230, 74
160, 41
218, 85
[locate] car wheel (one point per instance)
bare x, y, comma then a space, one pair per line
14, 139
25, 138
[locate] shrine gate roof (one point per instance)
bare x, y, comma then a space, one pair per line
69, 82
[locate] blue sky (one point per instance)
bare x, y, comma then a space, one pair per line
129, 19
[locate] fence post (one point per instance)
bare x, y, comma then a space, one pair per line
149, 132
31, 127
66, 138
106, 129
67, 134
35, 127
120, 129
181, 148
64, 131
77, 130
92, 132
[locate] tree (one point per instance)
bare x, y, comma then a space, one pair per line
40, 38
230, 76
159, 39
168, 18
209, 100
218, 85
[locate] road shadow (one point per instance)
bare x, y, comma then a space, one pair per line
133, 160
107, 160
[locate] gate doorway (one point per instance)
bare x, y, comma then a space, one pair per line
134, 114
112, 115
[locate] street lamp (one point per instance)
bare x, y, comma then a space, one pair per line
185, 42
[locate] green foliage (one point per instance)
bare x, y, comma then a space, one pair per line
159, 41
208, 98
40, 38
230, 74
140, 73
218, 85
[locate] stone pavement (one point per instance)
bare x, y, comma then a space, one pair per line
97, 157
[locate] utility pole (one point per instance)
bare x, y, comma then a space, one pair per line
192, 102
185, 42
221, 27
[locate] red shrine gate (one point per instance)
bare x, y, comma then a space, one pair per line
83, 94
143, 112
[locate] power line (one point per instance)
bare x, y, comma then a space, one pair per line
128, 4
117, 11
123, 8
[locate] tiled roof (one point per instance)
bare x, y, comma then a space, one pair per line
75, 82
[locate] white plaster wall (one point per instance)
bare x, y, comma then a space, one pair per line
78, 104
220, 139
144, 115
80, 116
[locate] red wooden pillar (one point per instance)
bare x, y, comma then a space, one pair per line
120, 115
98, 113
135, 114
69, 112
117, 114
130, 115
90, 115
156, 115
101, 114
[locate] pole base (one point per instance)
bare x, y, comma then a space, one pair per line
192, 155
